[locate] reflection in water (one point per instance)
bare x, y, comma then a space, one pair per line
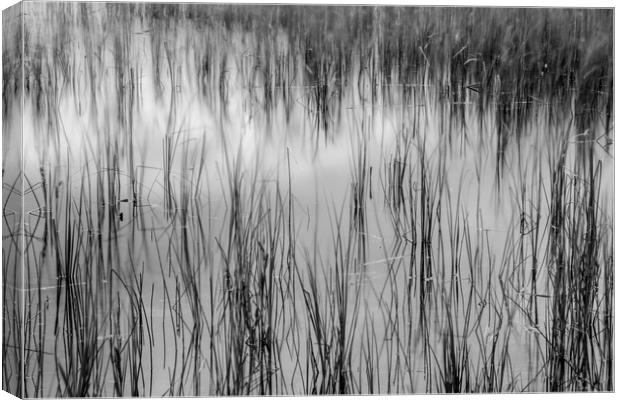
306, 200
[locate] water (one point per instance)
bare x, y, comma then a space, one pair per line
215, 209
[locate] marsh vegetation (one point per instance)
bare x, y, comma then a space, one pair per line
234, 200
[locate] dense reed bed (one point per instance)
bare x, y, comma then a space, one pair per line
267, 200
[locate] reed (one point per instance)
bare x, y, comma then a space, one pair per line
173, 246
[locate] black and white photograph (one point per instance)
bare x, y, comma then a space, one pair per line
226, 199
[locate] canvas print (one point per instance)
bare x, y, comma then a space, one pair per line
242, 199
